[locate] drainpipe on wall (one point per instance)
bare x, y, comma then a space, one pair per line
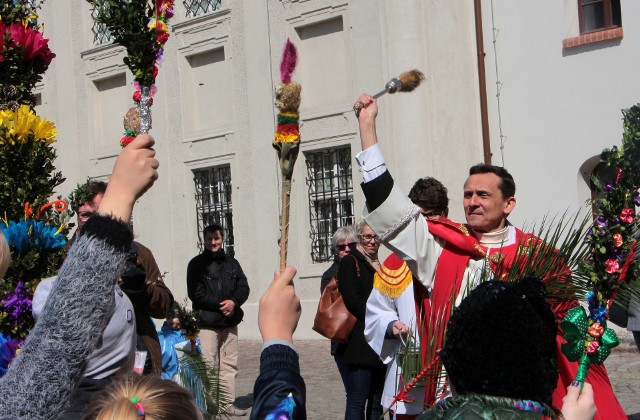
482, 82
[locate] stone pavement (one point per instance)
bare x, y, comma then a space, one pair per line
325, 392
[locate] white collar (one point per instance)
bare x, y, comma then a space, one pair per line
498, 238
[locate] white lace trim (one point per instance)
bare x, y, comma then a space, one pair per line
411, 212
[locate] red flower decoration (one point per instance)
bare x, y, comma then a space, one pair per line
617, 240
596, 330
136, 96
611, 266
34, 45
162, 38
619, 175
28, 212
3, 29
593, 347
124, 142
155, 71
627, 215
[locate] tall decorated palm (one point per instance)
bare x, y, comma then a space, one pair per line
612, 267
32, 224
142, 27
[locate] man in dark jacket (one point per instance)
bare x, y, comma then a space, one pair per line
218, 287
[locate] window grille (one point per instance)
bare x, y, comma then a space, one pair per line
101, 34
213, 202
330, 197
34, 4
200, 7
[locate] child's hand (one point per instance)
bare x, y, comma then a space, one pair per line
134, 172
577, 405
279, 309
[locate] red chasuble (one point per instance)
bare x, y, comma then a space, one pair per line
460, 246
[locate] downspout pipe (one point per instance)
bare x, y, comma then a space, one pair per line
482, 82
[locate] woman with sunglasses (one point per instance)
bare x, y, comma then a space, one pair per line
342, 242
365, 370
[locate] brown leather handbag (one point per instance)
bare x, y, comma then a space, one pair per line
333, 320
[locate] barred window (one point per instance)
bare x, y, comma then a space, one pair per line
213, 202
330, 197
200, 7
101, 34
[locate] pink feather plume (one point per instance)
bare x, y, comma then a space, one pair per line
289, 61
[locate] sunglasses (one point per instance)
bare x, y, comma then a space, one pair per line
342, 247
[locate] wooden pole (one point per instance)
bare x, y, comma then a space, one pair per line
284, 223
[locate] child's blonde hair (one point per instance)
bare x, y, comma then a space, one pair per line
160, 399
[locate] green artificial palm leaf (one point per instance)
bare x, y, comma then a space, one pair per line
203, 380
556, 256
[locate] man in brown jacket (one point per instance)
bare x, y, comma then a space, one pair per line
142, 282
150, 297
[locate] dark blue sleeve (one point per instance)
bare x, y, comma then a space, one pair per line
279, 376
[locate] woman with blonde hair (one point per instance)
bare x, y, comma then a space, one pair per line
143, 397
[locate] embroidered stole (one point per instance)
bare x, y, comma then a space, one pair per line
434, 310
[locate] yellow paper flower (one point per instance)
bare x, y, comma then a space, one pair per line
158, 25
286, 137
18, 125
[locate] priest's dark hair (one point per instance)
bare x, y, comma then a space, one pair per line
507, 184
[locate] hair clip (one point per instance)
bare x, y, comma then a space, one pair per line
139, 407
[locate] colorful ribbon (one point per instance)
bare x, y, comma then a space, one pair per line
581, 346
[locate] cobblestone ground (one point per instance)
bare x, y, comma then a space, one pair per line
325, 392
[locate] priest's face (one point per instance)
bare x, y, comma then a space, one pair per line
485, 208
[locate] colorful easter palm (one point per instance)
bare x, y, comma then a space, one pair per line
287, 137
141, 26
35, 228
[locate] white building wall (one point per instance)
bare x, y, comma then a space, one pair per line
559, 106
215, 106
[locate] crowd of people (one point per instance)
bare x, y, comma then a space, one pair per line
96, 314
78, 360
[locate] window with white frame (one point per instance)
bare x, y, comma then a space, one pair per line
213, 202
330, 197
200, 7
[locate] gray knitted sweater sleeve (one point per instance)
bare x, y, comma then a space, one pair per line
42, 377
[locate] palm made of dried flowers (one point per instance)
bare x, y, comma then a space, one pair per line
287, 137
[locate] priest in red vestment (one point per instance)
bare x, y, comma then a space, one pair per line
442, 259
